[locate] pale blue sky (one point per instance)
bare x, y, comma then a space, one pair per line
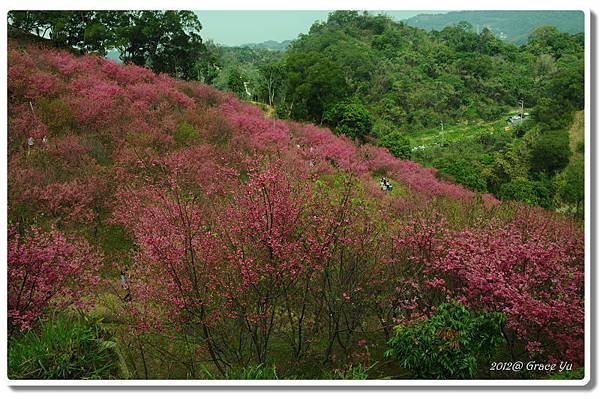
233, 28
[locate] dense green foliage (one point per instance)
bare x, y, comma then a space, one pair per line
397, 143
571, 185
463, 172
64, 348
349, 118
450, 344
408, 78
413, 79
314, 84
235, 82
550, 152
524, 190
166, 41
577, 374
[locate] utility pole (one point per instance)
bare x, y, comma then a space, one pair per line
521, 103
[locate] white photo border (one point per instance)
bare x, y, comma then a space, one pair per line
314, 5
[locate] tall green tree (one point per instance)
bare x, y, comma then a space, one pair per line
314, 84
86, 31
550, 152
272, 82
571, 185
165, 41
235, 81
350, 118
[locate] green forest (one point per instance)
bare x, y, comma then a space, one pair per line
377, 80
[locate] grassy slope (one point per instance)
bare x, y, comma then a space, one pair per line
458, 132
577, 131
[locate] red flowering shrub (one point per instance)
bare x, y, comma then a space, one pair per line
94, 103
45, 270
526, 271
70, 201
41, 84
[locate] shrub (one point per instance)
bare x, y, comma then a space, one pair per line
550, 152
552, 114
571, 185
524, 190
349, 118
397, 143
451, 344
576, 374
44, 270
185, 133
64, 348
464, 172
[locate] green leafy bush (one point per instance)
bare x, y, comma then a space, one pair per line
64, 348
571, 185
185, 133
349, 118
576, 374
465, 172
450, 344
528, 191
550, 152
397, 143
552, 113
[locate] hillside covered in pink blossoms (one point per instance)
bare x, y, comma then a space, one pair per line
208, 236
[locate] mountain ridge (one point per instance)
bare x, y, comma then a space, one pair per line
268, 44
510, 25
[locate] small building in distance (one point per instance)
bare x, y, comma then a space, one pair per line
516, 119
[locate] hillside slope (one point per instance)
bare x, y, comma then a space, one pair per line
217, 237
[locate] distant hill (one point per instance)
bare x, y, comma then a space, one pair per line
269, 44
512, 26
